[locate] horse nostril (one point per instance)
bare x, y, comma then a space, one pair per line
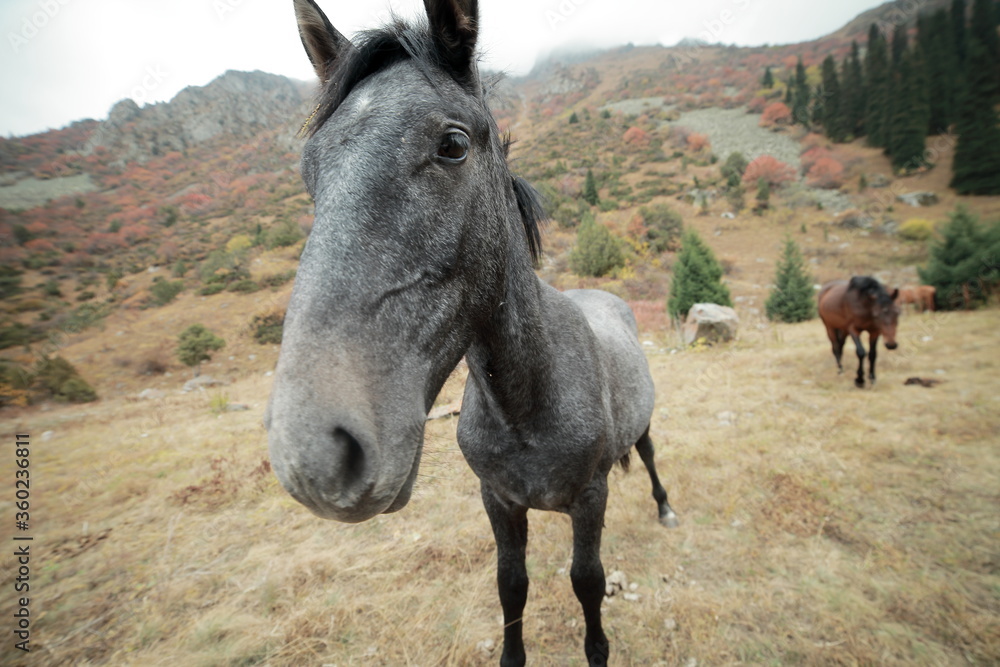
891, 346
351, 456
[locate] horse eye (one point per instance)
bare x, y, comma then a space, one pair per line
454, 146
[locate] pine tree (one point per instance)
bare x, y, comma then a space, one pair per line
831, 112
768, 80
792, 299
697, 277
976, 166
958, 30
963, 265
852, 91
941, 71
877, 88
800, 95
590, 189
909, 118
982, 28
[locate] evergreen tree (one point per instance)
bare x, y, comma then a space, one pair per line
941, 71
763, 195
697, 277
958, 30
597, 251
800, 95
963, 265
909, 118
831, 111
982, 28
852, 91
792, 299
976, 166
877, 88
590, 189
768, 80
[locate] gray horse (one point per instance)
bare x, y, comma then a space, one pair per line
422, 251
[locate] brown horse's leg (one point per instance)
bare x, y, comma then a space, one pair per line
859, 381
837, 338
872, 353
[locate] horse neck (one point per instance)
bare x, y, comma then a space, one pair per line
509, 358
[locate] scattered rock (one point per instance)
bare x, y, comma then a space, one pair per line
878, 181
201, 382
48, 435
486, 647
727, 418
151, 394
615, 582
918, 199
710, 322
669, 624
853, 219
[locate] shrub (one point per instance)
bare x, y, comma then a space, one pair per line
244, 286
697, 141
636, 136
776, 113
697, 277
597, 251
770, 169
663, 227
267, 328
285, 234
792, 299
196, 345
58, 378
10, 281
916, 229
214, 288
826, 173
165, 291
590, 189
278, 279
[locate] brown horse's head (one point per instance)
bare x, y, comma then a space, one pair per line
885, 311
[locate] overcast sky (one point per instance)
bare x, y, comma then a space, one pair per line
64, 60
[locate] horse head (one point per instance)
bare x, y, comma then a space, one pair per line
413, 203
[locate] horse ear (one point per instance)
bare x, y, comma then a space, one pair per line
455, 27
895, 294
323, 44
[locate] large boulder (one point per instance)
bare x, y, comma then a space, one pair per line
710, 322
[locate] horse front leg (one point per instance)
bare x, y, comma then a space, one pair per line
645, 448
510, 530
859, 381
872, 353
837, 338
587, 571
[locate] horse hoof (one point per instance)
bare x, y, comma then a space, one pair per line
670, 520
860, 384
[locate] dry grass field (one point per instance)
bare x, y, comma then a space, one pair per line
820, 525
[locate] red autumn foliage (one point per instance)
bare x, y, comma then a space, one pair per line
776, 113
826, 173
697, 141
636, 136
811, 156
772, 170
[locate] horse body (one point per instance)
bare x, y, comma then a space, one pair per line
422, 251
848, 308
922, 297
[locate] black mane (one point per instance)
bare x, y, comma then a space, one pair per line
376, 50
869, 285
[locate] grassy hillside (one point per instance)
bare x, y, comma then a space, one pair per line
819, 525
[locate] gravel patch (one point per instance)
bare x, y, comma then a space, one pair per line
637, 106
32, 192
734, 130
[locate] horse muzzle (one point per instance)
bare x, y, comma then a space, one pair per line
891, 346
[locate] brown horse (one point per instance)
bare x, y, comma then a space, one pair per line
848, 308
922, 297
